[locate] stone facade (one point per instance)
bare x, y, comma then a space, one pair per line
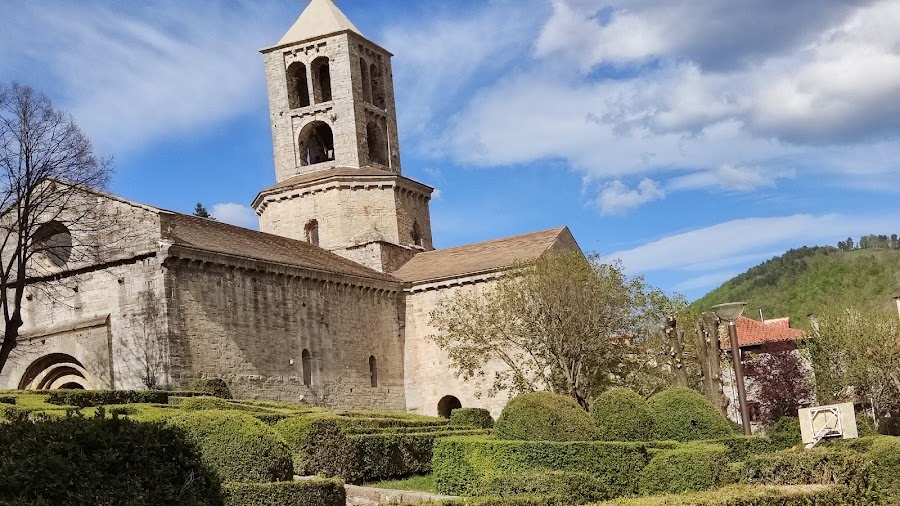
330, 303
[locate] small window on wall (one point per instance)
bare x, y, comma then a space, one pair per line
373, 371
298, 87
311, 231
53, 241
366, 83
306, 362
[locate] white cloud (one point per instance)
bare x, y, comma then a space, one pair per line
731, 242
731, 178
617, 198
235, 214
710, 280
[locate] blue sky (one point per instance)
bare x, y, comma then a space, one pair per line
691, 139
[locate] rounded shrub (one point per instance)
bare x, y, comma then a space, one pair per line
236, 446
691, 468
544, 416
622, 415
681, 414
572, 486
215, 387
785, 432
472, 417
865, 426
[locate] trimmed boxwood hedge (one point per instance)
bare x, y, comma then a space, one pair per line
214, 387
544, 416
7, 399
79, 461
472, 417
622, 415
885, 471
785, 432
691, 468
743, 495
682, 414
462, 464
827, 466
236, 446
743, 447
576, 487
93, 398
320, 492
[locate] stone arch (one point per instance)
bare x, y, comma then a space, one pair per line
416, 234
321, 71
298, 85
53, 241
306, 363
375, 138
72, 386
316, 143
366, 81
447, 404
54, 370
373, 371
311, 232
377, 86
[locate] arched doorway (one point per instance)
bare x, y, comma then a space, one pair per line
447, 404
53, 372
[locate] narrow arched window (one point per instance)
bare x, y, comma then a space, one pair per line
377, 86
416, 234
311, 231
321, 70
366, 82
375, 138
298, 86
373, 371
306, 362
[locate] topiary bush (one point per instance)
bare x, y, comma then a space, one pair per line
80, 461
94, 398
681, 414
621, 414
691, 468
865, 427
743, 495
462, 464
236, 446
544, 416
306, 435
785, 433
214, 387
319, 492
885, 474
576, 487
743, 447
472, 417
206, 403
824, 466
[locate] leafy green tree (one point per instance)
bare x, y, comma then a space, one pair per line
856, 356
564, 323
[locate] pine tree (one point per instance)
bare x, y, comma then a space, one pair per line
201, 212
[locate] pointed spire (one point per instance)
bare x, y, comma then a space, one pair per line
321, 17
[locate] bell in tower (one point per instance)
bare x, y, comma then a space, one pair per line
331, 97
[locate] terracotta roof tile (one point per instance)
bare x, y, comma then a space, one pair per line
312, 177
483, 256
753, 332
216, 237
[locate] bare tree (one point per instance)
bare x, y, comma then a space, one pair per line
46, 164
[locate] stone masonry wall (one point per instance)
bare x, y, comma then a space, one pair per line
250, 327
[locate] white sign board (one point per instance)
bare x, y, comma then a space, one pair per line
824, 422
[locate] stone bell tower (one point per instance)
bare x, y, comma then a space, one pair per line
336, 148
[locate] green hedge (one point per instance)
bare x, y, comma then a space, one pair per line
78, 461
93, 398
743, 447
214, 387
236, 446
7, 399
682, 414
544, 416
576, 487
785, 433
472, 417
885, 473
462, 464
691, 468
622, 415
318, 492
827, 466
742, 495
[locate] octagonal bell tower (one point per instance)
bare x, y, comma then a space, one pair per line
337, 153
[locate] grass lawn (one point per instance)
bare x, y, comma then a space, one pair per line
421, 483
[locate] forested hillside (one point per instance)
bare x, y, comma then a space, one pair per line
811, 280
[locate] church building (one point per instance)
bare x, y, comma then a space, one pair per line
328, 303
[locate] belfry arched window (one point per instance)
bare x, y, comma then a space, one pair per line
321, 71
298, 85
366, 82
416, 234
316, 144
311, 232
306, 363
373, 371
377, 86
375, 138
